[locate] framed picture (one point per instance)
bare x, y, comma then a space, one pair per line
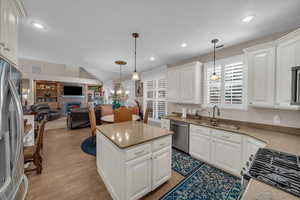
138, 88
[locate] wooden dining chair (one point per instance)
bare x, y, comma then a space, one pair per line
146, 115
33, 153
122, 114
92, 118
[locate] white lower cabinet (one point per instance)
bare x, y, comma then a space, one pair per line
200, 146
138, 177
161, 167
131, 173
227, 150
227, 155
251, 146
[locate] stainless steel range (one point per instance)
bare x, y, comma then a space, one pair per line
278, 169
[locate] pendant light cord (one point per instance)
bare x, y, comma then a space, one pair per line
214, 58
135, 54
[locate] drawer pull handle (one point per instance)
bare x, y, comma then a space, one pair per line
2, 44
139, 152
162, 144
7, 49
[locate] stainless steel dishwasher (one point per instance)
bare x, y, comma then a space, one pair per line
181, 136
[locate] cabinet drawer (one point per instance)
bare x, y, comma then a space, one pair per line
233, 137
161, 143
200, 130
138, 151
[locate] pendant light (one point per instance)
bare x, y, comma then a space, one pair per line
214, 76
120, 90
135, 75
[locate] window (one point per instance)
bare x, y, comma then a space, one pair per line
228, 91
155, 97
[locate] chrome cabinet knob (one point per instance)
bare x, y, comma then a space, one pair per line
2, 44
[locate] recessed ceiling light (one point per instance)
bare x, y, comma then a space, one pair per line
248, 18
152, 58
183, 45
38, 25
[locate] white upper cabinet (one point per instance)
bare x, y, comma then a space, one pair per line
173, 85
288, 56
261, 70
184, 83
9, 17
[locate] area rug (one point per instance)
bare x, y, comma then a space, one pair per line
88, 147
183, 163
206, 183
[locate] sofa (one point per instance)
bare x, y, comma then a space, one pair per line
79, 118
43, 111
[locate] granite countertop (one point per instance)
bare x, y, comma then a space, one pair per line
127, 134
280, 141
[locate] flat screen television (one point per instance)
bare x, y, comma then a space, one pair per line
72, 90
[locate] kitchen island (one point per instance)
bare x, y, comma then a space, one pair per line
133, 158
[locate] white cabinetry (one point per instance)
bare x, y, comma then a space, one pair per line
138, 177
173, 93
288, 51
261, 68
251, 146
184, 83
9, 29
200, 143
223, 149
161, 167
131, 173
227, 155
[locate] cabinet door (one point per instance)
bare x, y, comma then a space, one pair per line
12, 32
200, 146
161, 167
227, 155
138, 177
3, 22
251, 146
173, 85
187, 83
261, 70
287, 58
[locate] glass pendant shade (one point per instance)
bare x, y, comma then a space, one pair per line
135, 76
214, 77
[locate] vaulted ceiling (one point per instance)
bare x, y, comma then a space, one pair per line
94, 33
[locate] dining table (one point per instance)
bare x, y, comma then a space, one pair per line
110, 118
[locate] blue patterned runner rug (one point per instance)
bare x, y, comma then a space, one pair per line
206, 183
183, 163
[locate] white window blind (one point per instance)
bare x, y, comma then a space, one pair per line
228, 91
155, 97
233, 74
214, 86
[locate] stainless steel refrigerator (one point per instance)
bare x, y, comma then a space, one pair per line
13, 182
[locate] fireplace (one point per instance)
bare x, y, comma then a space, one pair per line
71, 105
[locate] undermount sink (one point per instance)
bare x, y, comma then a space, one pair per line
220, 125
228, 126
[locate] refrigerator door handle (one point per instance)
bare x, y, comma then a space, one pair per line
20, 129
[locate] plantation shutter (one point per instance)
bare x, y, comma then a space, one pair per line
233, 83
214, 86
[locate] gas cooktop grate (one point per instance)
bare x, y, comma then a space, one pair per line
278, 169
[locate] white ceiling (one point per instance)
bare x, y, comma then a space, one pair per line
94, 33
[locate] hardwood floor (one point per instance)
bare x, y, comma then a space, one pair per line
70, 174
